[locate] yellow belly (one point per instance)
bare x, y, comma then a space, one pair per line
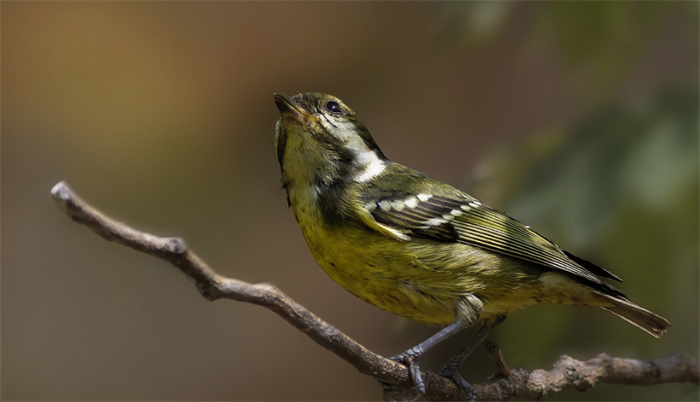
422, 280
430, 281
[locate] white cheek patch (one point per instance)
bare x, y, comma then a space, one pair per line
367, 162
343, 130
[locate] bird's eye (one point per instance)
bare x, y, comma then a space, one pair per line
333, 106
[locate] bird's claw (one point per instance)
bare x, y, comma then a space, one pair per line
408, 359
450, 371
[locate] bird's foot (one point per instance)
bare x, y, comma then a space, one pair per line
408, 358
449, 370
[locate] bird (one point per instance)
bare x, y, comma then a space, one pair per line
419, 248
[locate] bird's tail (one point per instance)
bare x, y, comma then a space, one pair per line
651, 323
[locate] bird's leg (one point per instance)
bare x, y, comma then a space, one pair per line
409, 356
449, 370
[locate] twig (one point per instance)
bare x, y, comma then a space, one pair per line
567, 372
495, 352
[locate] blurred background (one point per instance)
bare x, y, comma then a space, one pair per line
580, 119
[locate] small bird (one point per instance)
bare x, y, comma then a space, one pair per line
419, 248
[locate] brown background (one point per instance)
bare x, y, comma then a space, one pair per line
161, 114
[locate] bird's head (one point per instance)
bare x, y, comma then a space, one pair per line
319, 140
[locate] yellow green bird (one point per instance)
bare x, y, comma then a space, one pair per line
419, 248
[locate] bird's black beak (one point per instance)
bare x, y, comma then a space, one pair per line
284, 103
291, 110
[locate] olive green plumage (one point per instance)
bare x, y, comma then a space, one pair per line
417, 247
414, 246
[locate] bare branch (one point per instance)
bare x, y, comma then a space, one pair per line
567, 372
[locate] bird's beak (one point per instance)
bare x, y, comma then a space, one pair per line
288, 109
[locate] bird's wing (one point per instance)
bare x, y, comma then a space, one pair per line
461, 218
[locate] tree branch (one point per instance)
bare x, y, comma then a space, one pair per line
567, 372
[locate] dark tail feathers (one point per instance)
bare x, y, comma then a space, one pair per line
651, 323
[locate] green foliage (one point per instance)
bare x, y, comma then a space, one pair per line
624, 182
617, 158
